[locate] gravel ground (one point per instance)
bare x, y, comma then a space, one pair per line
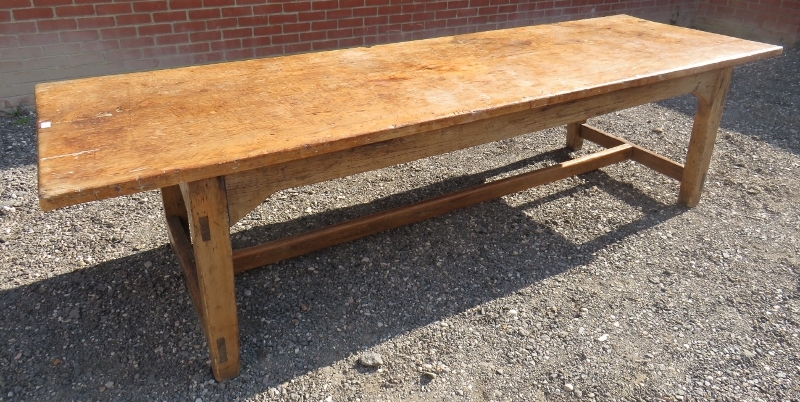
598, 287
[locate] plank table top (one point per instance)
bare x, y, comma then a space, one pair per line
114, 135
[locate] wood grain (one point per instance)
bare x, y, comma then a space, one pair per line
248, 189
174, 206
208, 218
178, 231
710, 102
123, 134
654, 161
183, 250
574, 139
277, 250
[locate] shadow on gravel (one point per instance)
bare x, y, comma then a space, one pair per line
761, 103
130, 332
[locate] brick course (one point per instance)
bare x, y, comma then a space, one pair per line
45, 40
776, 21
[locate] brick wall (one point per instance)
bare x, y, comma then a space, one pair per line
45, 40
776, 21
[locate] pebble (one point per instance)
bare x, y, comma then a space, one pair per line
198, 400
370, 359
569, 387
109, 384
75, 314
407, 314
658, 130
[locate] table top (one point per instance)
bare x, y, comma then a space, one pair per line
113, 135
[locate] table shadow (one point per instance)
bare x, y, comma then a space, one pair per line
129, 332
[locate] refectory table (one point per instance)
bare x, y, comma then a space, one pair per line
219, 139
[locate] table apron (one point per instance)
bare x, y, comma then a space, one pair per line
247, 189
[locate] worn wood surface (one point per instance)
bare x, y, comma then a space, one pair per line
208, 220
114, 135
177, 219
249, 188
183, 250
574, 139
646, 157
710, 102
172, 198
277, 250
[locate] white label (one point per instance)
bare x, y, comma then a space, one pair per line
45, 124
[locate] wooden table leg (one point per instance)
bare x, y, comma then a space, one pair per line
208, 219
574, 139
174, 205
710, 102
178, 231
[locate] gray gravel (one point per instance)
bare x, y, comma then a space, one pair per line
595, 288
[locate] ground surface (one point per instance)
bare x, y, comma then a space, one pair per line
597, 287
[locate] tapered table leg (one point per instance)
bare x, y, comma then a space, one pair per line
710, 102
208, 220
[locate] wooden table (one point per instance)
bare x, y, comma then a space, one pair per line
219, 139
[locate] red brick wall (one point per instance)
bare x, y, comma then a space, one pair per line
45, 40
776, 21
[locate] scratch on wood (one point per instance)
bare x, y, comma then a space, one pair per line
75, 154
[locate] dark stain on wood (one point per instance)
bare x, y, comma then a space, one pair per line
205, 231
